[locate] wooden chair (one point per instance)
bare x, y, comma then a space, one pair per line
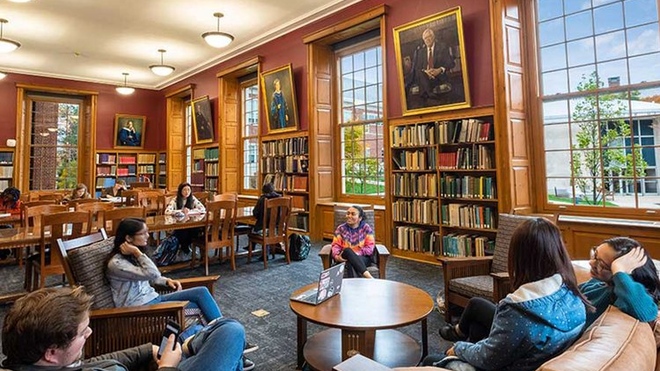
485, 277
140, 185
202, 196
220, 221
57, 197
96, 212
64, 225
276, 222
153, 201
25, 205
116, 215
76, 202
378, 265
84, 261
239, 229
132, 197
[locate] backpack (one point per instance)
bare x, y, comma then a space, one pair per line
299, 246
166, 251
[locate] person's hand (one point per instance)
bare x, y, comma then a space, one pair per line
339, 258
627, 263
450, 352
169, 357
185, 210
129, 249
174, 284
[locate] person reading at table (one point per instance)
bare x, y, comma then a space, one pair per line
130, 273
267, 192
354, 243
78, 193
185, 203
115, 190
47, 330
542, 317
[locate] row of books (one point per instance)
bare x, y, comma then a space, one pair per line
6, 171
284, 182
464, 131
212, 168
414, 135
415, 211
414, 160
289, 164
415, 185
146, 158
464, 245
106, 170
6, 158
127, 159
162, 157
128, 170
479, 157
479, 187
300, 202
211, 154
299, 222
146, 169
211, 184
468, 216
416, 239
199, 153
285, 147
106, 158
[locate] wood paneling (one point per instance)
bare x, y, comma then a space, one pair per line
228, 108
176, 172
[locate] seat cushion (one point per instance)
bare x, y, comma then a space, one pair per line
88, 266
614, 342
481, 286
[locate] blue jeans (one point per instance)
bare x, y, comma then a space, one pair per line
199, 297
219, 347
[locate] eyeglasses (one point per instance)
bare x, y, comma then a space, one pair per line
593, 255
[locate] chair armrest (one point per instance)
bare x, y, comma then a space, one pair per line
465, 267
186, 283
501, 285
324, 254
382, 254
120, 328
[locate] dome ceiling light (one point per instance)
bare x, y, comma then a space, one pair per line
125, 89
161, 69
217, 39
7, 45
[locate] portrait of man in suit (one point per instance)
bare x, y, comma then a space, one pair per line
129, 131
203, 120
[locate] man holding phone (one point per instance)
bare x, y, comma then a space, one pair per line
49, 328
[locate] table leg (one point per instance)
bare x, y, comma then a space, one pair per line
301, 326
425, 338
357, 342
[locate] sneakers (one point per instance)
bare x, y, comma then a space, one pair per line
249, 348
448, 332
247, 364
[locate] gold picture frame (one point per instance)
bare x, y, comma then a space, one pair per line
129, 131
431, 64
202, 115
279, 98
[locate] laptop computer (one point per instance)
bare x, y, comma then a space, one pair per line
329, 285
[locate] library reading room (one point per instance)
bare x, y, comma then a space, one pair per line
338, 185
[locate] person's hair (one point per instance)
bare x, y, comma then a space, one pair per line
268, 188
79, 187
181, 201
41, 320
537, 252
276, 81
121, 182
127, 227
647, 274
12, 195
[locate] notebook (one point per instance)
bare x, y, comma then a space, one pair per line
329, 285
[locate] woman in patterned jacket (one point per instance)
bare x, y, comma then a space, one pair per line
354, 243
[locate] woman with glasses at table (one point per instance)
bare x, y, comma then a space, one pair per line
184, 204
623, 275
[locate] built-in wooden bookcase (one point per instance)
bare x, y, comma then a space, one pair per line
6, 168
285, 163
205, 169
162, 171
443, 185
129, 166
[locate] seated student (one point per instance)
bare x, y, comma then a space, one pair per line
130, 272
184, 203
542, 317
267, 192
78, 193
47, 330
115, 190
10, 201
354, 243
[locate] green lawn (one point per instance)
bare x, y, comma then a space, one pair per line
569, 201
364, 189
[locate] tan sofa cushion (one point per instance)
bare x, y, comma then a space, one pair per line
614, 342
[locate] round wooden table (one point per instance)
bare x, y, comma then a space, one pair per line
362, 319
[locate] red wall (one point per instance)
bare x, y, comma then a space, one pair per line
148, 103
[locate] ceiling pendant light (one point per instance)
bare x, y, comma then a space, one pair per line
7, 45
125, 89
161, 69
217, 39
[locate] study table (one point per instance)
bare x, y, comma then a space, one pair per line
363, 319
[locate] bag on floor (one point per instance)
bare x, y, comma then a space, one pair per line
299, 246
166, 252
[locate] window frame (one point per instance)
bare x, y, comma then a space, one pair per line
242, 86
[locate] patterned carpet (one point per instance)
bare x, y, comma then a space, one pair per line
251, 288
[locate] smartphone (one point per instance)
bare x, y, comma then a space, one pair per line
171, 328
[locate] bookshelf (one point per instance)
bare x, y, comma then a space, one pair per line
6, 168
443, 186
285, 163
162, 171
129, 166
211, 169
197, 175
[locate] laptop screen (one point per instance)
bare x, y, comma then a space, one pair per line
330, 282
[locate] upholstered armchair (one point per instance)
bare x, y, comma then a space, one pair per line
118, 328
381, 253
485, 277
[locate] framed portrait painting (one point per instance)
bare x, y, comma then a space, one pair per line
431, 66
203, 120
280, 99
129, 131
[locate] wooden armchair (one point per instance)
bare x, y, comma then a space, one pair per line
116, 215
485, 277
381, 253
275, 226
113, 328
220, 221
